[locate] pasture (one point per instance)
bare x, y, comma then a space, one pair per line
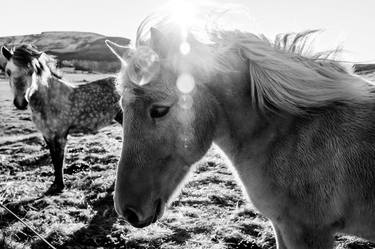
210, 211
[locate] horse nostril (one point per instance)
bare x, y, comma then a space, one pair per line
131, 216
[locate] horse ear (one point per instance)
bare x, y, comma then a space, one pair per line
7, 53
159, 42
121, 52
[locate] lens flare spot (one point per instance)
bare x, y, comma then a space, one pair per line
185, 102
185, 83
185, 48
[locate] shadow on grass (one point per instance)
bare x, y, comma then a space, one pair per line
100, 232
20, 208
94, 234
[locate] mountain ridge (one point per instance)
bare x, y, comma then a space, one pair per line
69, 45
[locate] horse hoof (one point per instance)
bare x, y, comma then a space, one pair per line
55, 189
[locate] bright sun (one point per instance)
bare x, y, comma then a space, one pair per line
183, 13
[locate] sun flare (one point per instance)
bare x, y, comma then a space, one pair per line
185, 48
185, 83
182, 13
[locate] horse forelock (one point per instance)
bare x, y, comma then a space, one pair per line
201, 61
284, 74
28, 57
24, 54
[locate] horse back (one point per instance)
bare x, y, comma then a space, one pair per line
95, 104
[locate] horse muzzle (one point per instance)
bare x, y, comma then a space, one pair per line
136, 218
20, 104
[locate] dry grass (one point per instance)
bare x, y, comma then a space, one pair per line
210, 212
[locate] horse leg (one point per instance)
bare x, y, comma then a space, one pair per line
56, 147
118, 117
279, 240
298, 237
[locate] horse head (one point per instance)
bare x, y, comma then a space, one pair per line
167, 127
23, 64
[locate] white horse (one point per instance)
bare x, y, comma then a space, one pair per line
298, 128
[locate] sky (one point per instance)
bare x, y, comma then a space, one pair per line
348, 23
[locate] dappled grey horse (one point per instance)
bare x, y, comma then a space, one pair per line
59, 108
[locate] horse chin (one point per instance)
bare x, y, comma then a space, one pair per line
159, 211
141, 225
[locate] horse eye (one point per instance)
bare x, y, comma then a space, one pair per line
9, 72
158, 111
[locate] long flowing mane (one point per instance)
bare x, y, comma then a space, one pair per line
284, 74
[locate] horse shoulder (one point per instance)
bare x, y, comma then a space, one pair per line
326, 163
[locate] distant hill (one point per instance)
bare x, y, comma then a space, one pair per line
87, 51
74, 48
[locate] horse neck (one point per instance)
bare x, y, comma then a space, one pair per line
51, 88
243, 131
48, 83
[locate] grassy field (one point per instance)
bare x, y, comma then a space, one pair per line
210, 212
